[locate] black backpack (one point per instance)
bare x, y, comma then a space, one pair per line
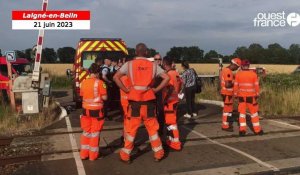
198, 83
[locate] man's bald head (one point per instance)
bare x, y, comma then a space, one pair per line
141, 50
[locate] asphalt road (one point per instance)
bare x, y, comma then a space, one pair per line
207, 149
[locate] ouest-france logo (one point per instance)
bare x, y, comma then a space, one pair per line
277, 19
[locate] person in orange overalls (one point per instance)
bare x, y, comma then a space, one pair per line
246, 88
170, 101
227, 83
93, 92
141, 96
124, 101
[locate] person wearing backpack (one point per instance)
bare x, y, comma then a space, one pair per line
189, 78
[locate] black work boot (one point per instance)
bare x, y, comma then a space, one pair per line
230, 129
242, 133
157, 160
126, 161
261, 132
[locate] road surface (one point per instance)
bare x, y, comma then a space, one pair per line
207, 149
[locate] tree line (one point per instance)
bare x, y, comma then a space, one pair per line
255, 53
49, 55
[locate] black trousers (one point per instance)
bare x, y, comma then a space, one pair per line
160, 112
190, 93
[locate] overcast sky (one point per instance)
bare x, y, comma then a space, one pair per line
222, 25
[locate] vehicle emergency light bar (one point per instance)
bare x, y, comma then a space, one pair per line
97, 39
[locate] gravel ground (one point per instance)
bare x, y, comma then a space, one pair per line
20, 150
10, 169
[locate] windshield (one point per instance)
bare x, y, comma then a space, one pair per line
3, 70
89, 57
19, 68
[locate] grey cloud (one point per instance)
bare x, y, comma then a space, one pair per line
211, 24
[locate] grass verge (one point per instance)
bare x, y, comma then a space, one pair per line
60, 82
13, 124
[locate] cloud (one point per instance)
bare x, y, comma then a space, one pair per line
209, 24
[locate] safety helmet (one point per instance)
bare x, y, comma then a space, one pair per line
236, 61
246, 63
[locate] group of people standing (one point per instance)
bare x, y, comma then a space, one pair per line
145, 85
244, 86
149, 94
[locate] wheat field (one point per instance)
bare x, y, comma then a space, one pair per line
56, 69
213, 68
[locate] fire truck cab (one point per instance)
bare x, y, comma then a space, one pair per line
18, 68
88, 50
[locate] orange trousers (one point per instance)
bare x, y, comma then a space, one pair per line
89, 140
125, 104
172, 128
227, 111
252, 105
138, 112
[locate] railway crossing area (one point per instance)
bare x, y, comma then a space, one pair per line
207, 149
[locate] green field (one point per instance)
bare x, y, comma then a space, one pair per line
60, 82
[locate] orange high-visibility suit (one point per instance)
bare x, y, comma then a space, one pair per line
227, 94
92, 89
141, 73
170, 96
246, 88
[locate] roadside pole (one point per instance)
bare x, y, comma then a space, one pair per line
11, 93
10, 57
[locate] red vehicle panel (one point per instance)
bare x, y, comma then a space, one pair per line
17, 68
